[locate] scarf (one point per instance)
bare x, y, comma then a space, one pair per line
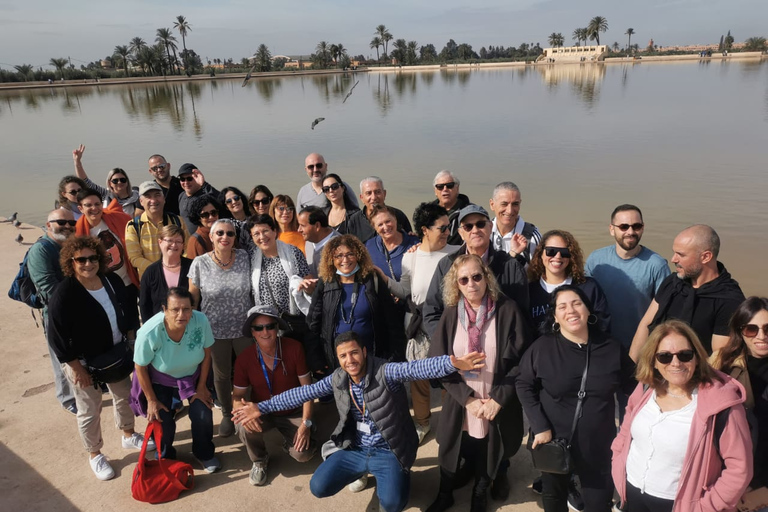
474, 321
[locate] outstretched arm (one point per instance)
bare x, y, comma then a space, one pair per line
433, 367
285, 401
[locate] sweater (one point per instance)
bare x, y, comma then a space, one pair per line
154, 289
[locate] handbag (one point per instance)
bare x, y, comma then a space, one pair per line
161, 480
297, 323
555, 456
113, 365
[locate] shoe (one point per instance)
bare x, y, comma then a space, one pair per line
422, 431
226, 427
216, 403
479, 503
71, 408
101, 468
104, 388
359, 484
443, 502
500, 487
258, 474
136, 440
537, 486
211, 465
575, 502
617, 507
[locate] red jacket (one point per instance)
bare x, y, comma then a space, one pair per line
710, 481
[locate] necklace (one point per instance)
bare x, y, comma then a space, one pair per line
673, 395
221, 263
172, 266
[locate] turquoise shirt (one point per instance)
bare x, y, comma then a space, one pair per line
153, 346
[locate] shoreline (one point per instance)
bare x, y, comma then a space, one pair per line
11, 86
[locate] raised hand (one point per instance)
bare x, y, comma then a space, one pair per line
468, 362
77, 154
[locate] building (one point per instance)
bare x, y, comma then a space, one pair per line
573, 53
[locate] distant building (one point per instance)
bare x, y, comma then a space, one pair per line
573, 53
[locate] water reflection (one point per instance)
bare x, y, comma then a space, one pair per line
428, 78
163, 101
584, 79
381, 93
267, 87
405, 82
333, 87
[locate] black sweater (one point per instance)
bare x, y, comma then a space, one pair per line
154, 288
540, 300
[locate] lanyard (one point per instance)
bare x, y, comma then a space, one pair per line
264, 368
389, 262
354, 400
355, 295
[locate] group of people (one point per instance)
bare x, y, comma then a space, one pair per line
173, 291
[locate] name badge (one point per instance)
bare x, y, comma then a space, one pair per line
470, 375
363, 427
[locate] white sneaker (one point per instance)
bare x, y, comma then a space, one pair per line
359, 484
422, 431
258, 475
136, 440
101, 468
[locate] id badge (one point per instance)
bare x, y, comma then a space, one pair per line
470, 375
363, 427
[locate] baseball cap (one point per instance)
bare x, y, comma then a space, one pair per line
187, 169
472, 208
147, 186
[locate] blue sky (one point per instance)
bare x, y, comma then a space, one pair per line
35, 30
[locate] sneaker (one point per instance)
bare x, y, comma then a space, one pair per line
422, 431
71, 408
226, 427
537, 486
258, 474
216, 403
211, 465
136, 440
101, 468
617, 507
359, 484
575, 501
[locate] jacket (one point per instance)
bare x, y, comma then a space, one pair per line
290, 267
711, 480
154, 289
359, 225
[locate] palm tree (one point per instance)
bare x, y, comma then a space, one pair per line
616, 46
183, 26
263, 58
323, 49
333, 51
410, 56
375, 43
165, 36
579, 35
24, 70
384, 35
340, 52
123, 52
755, 44
59, 64
400, 48
596, 25
556, 39
630, 32
136, 44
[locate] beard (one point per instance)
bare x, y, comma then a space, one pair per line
628, 243
61, 236
688, 273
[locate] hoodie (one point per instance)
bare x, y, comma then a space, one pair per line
711, 480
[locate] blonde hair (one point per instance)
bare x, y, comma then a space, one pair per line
451, 291
169, 231
327, 269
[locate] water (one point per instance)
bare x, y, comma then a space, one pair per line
684, 141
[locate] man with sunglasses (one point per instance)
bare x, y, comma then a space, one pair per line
372, 192
194, 185
312, 194
701, 292
448, 196
45, 272
161, 172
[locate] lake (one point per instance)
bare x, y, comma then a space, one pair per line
686, 142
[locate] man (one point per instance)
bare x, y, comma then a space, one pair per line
194, 185
251, 366
701, 292
510, 232
141, 233
161, 172
448, 196
312, 194
372, 192
375, 433
45, 272
313, 226
629, 273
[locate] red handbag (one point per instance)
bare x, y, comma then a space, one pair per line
161, 480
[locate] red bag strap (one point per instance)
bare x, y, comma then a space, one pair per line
156, 428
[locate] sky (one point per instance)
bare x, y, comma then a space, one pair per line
34, 31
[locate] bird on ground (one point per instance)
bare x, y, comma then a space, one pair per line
19, 238
12, 217
316, 121
350, 92
16, 224
248, 76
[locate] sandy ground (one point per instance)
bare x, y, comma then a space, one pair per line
44, 466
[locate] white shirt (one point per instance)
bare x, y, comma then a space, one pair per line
102, 296
502, 243
315, 250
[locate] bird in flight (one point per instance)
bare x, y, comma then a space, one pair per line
317, 121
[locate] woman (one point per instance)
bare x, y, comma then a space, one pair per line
236, 203
89, 318
69, 187
390, 243
418, 267
218, 280
481, 419
548, 386
170, 271
204, 211
118, 186
173, 361
558, 260
339, 206
283, 211
684, 444
260, 199
350, 297
745, 358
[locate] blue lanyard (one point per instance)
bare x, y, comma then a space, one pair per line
264, 368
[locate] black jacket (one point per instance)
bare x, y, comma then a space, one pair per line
453, 217
359, 225
154, 289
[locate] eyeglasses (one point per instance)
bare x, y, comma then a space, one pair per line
449, 185
319, 166
73, 192
480, 225
283, 209
62, 222
751, 330
332, 186
445, 228
637, 226
232, 199
172, 242
475, 277
158, 167
551, 251
340, 257
683, 356
115, 181
176, 311
221, 232
260, 327
212, 213
82, 260
257, 202
185, 178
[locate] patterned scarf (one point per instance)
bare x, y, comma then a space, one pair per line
474, 321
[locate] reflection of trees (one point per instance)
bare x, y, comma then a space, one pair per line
583, 78
449, 77
267, 87
163, 100
405, 81
464, 75
333, 86
427, 77
381, 93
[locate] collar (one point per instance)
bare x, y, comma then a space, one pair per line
517, 229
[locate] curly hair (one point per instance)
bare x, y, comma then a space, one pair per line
200, 202
451, 292
66, 180
239, 193
575, 268
111, 174
73, 245
327, 269
425, 215
646, 372
284, 200
736, 346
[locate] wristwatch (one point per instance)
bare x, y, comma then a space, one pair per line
307, 423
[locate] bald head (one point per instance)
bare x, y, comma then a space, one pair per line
703, 237
58, 232
316, 168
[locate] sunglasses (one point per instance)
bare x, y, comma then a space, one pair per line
62, 222
475, 277
480, 225
158, 167
332, 186
221, 232
73, 192
115, 181
232, 199
449, 186
257, 202
751, 330
637, 226
443, 229
683, 356
311, 167
212, 213
185, 178
551, 251
82, 260
283, 209
270, 327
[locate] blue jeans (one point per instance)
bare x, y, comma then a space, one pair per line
393, 484
201, 418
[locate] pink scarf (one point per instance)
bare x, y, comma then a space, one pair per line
477, 320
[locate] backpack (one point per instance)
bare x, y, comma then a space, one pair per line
23, 289
168, 218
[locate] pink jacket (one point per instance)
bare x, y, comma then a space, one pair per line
705, 485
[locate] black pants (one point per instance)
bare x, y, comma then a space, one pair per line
475, 453
641, 502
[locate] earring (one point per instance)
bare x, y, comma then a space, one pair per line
555, 327
592, 319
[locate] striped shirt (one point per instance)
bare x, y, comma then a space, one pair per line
144, 251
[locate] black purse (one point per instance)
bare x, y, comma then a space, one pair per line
555, 456
112, 366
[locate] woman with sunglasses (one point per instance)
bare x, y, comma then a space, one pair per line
745, 358
479, 421
260, 198
557, 261
549, 383
89, 317
283, 211
170, 271
204, 211
684, 444
69, 187
219, 282
339, 207
118, 186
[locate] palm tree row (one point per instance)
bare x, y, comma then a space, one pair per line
155, 59
591, 32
